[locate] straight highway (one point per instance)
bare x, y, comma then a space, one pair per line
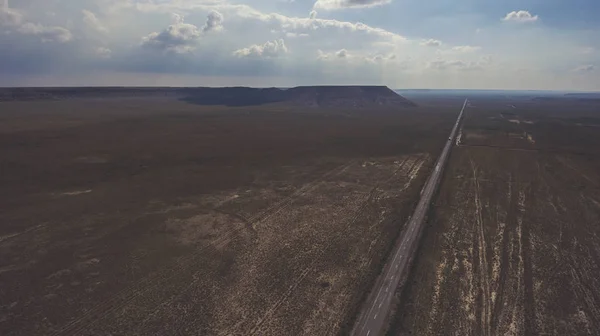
375, 313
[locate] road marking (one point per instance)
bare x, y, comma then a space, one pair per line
368, 332
386, 289
374, 317
378, 294
380, 304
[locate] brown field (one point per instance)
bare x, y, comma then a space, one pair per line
159, 217
512, 245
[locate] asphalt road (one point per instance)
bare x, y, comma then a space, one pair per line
373, 319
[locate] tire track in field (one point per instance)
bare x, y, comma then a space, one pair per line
508, 223
528, 295
344, 297
125, 296
254, 222
483, 264
415, 165
281, 206
579, 172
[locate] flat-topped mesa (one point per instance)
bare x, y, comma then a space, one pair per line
347, 97
306, 96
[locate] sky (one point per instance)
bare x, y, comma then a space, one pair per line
404, 44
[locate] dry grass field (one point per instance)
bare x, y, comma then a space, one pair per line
158, 217
512, 245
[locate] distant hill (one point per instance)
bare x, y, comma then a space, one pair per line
346, 96
306, 96
591, 98
593, 95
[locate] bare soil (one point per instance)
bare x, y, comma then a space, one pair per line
512, 245
159, 217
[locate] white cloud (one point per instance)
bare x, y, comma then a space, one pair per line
343, 53
431, 43
243, 12
465, 49
214, 22
341, 4
271, 49
103, 52
92, 21
179, 37
355, 52
585, 68
446, 64
378, 58
13, 21
354, 57
294, 23
460, 65
295, 35
520, 16
46, 34
9, 17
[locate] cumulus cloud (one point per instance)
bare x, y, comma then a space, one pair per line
585, 68
355, 51
214, 22
271, 49
180, 37
343, 53
90, 19
342, 4
431, 43
520, 16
